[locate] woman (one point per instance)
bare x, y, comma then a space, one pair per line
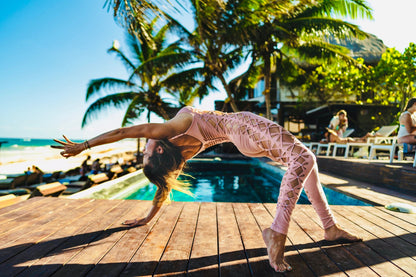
191, 131
407, 129
338, 124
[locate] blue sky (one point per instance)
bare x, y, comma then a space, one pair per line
50, 50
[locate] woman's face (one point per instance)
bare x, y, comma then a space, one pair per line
341, 117
148, 150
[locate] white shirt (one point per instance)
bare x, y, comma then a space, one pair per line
402, 129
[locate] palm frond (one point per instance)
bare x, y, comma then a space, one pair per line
134, 109
97, 85
117, 100
319, 26
344, 8
322, 51
123, 58
187, 77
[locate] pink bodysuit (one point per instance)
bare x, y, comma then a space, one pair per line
256, 136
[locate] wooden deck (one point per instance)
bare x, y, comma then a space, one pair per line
64, 237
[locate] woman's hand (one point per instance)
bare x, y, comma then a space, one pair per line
70, 148
135, 222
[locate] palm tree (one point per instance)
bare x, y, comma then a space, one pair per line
152, 71
297, 31
209, 42
276, 31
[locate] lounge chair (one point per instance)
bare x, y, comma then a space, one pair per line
350, 146
98, 178
348, 132
10, 199
6, 183
49, 178
383, 135
33, 179
325, 147
384, 142
19, 181
52, 189
76, 186
15, 191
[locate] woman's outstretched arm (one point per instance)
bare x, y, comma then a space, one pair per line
168, 129
148, 130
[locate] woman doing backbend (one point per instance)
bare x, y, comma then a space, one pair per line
191, 131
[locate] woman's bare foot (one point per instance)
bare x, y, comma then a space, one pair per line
275, 243
135, 222
336, 233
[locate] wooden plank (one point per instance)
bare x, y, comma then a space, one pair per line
316, 259
204, 256
233, 261
24, 214
41, 229
409, 218
254, 245
116, 259
264, 219
27, 249
91, 250
335, 251
176, 256
147, 257
21, 205
33, 219
405, 221
63, 245
360, 250
90, 255
377, 244
391, 233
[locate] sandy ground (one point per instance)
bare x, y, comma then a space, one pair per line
51, 161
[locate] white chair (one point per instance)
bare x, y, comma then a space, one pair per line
383, 135
390, 148
348, 132
313, 146
325, 147
350, 146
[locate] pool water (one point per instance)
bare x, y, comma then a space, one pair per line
237, 182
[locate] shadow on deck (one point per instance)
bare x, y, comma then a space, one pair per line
65, 237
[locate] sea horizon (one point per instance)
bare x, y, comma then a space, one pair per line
19, 153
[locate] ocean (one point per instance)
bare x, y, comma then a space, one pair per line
16, 154
22, 149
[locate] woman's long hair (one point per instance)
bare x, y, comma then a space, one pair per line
163, 169
410, 103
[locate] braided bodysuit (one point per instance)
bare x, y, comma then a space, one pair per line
256, 136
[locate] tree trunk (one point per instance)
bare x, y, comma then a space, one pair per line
267, 85
229, 93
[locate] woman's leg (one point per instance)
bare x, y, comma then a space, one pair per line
410, 139
301, 173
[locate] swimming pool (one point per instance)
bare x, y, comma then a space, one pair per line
236, 181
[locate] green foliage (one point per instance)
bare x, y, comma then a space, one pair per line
337, 80
395, 76
390, 82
